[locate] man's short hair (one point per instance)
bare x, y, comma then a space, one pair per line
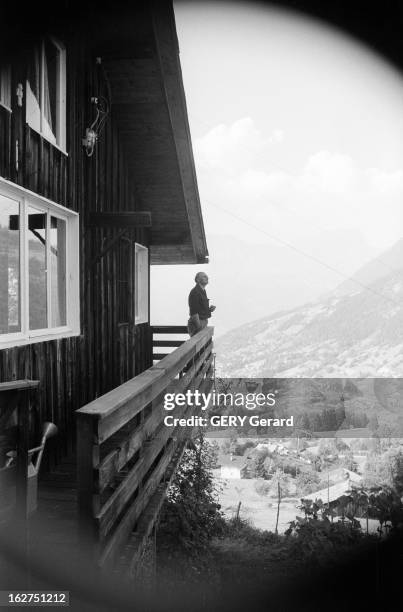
198, 276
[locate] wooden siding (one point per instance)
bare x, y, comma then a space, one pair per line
5, 149
74, 371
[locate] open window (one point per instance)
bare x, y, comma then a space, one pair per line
5, 85
46, 91
141, 284
39, 297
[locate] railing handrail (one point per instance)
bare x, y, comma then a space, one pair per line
15, 385
118, 475
145, 387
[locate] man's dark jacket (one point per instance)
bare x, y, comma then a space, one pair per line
199, 303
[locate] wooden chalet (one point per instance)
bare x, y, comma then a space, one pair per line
97, 183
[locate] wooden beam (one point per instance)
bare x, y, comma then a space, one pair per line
172, 254
168, 342
125, 526
171, 78
119, 219
169, 329
15, 385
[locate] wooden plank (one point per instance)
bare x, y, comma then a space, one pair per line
85, 482
114, 506
171, 254
150, 513
138, 388
18, 384
117, 459
116, 408
122, 532
171, 77
168, 342
203, 371
121, 496
159, 356
177, 360
169, 329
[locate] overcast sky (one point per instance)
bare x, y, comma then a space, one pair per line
297, 134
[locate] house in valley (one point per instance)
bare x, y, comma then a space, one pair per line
235, 467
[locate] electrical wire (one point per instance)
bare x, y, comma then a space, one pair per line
300, 252
293, 211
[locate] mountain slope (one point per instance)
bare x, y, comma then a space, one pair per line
389, 261
347, 334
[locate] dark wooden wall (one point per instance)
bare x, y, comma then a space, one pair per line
73, 371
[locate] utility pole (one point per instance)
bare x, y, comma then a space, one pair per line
328, 483
237, 512
278, 506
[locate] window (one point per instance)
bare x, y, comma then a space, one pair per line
5, 86
39, 296
141, 284
46, 91
124, 274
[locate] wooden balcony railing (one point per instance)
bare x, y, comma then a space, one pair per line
127, 456
173, 337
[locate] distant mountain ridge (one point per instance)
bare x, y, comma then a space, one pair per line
356, 331
389, 261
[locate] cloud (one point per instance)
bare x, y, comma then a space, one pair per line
385, 183
234, 147
327, 172
278, 136
328, 191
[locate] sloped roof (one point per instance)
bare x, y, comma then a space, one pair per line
141, 59
332, 493
341, 474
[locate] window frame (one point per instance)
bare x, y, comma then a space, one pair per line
25, 336
5, 85
143, 315
61, 80
124, 276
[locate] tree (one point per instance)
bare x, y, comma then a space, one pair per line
349, 462
307, 482
398, 475
230, 445
284, 480
262, 487
329, 419
255, 465
305, 422
373, 423
191, 514
351, 390
316, 422
385, 469
340, 413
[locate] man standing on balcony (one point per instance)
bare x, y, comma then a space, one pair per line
199, 309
